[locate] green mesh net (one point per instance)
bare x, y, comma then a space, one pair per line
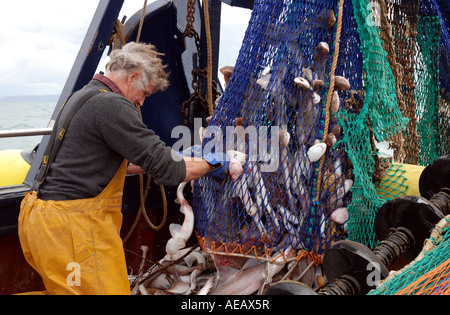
379, 118
427, 88
392, 185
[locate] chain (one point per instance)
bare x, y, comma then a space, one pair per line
198, 75
190, 29
190, 17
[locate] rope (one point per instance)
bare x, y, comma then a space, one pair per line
210, 57
143, 193
141, 23
118, 39
142, 211
330, 92
143, 198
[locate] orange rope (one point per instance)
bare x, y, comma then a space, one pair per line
330, 92
219, 248
430, 283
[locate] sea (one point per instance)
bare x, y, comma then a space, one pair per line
25, 112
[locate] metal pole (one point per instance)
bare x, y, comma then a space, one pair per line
25, 132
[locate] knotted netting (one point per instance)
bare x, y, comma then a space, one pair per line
429, 273
416, 38
310, 76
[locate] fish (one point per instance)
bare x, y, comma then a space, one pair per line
141, 268
241, 191
207, 287
300, 167
245, 281
264, 81
180, 270
179, 288
179, 278
337, 199
237, 161
181, 233
284, 142
303, 271
337, 166
308, 73
251, 278
262, 196
266, 71
160, 283
273, 268
288, 216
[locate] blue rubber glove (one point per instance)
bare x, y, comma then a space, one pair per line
218, 160
220, 163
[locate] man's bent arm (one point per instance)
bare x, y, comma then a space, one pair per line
195, 168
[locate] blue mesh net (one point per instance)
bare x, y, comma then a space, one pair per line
274, 205
290, 200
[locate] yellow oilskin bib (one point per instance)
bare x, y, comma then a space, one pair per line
75, 245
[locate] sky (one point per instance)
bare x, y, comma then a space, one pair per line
40, 40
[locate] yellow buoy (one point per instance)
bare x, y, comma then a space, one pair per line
13, 168
401, 180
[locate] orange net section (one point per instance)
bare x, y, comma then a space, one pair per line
435, 282
256, 252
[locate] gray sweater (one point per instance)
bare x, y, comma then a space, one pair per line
107, 129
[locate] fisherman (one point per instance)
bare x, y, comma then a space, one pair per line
71, 222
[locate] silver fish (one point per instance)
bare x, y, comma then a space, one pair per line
284, 141
207, 287
262, 196
181, 233
241, 282
135, 290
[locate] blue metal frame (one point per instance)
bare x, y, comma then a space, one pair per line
248, 4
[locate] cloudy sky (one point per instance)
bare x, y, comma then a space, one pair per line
40, 40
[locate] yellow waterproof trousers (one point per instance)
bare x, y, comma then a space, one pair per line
75, 245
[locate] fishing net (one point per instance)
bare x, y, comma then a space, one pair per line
429, 274
288, 98
416, 38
